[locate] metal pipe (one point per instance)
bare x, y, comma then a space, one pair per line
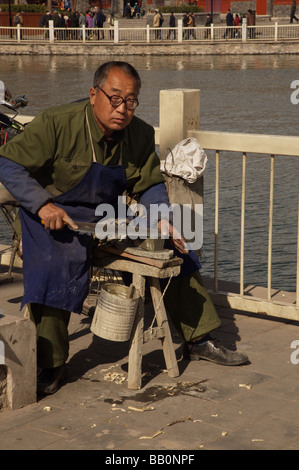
216, 221
270, 226
242, 244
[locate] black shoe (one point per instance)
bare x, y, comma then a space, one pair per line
49, 379
212, 350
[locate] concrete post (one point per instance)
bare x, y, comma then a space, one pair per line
51, 30
147, 33
116, 31
180, 30
18, 355
179, 111
212, 32
18, 32
244, 29
276, 31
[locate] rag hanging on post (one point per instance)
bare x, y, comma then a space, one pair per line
183, 169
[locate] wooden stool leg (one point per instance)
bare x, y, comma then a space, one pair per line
135, 353
162, 321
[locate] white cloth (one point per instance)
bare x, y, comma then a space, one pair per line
187, 160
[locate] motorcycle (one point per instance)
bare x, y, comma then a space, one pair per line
9, 125
9, 128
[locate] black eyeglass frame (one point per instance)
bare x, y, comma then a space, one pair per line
122, 100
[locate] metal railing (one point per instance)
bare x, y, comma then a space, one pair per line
245, 145
252, 298
273, 32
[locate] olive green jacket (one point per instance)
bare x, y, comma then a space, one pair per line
56, 149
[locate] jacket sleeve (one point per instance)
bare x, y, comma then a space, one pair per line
26, 190
155, 201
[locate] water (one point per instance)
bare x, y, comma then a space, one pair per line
238, 94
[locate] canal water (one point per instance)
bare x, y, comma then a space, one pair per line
249, 94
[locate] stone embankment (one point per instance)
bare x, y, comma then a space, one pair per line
133, 49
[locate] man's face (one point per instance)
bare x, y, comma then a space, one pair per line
109, 118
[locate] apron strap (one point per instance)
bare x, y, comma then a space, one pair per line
93, 152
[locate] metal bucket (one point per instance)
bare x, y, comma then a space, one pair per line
115, 312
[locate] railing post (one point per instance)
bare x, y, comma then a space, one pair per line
244, 29
275, 31
147, 33
180, 30
116, 32
297, 270
174, 125
51, 30
83, 33
212, 31
18, 32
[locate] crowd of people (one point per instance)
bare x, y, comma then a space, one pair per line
233, 24
75, 19
96, 21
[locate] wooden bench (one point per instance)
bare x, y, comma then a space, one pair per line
150, 270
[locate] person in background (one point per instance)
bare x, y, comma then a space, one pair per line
208, 26
18, 20
293, 12
156, 24
111, 25
171, 26
251, 23
237, 24
229, 23
101, 18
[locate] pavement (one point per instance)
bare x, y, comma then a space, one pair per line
208, 407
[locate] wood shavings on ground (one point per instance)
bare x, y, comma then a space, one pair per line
248, 386
115, 377
153, 436
47, 408
179, 421
146, 408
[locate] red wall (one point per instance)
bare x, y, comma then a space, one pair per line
223, 5
29, 19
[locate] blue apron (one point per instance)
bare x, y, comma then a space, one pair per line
56, 263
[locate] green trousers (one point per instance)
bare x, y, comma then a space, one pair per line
186, 300
52, 335
190, 307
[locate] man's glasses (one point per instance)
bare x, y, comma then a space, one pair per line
116, 101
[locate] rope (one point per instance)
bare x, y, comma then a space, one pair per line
162, 296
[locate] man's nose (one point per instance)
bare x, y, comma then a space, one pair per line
122, 108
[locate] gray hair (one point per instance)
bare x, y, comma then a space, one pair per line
102, 72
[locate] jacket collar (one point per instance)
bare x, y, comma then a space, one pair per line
98, 134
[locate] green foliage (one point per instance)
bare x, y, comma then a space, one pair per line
24, 8
181, 9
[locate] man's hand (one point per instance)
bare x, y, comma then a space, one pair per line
54, 218
175, 238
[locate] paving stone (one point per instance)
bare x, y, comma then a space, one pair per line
204, 408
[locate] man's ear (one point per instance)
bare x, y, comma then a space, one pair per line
92, 95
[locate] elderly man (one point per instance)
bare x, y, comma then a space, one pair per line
69, 160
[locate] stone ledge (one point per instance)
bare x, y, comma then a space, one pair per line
134, 49
18, 358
